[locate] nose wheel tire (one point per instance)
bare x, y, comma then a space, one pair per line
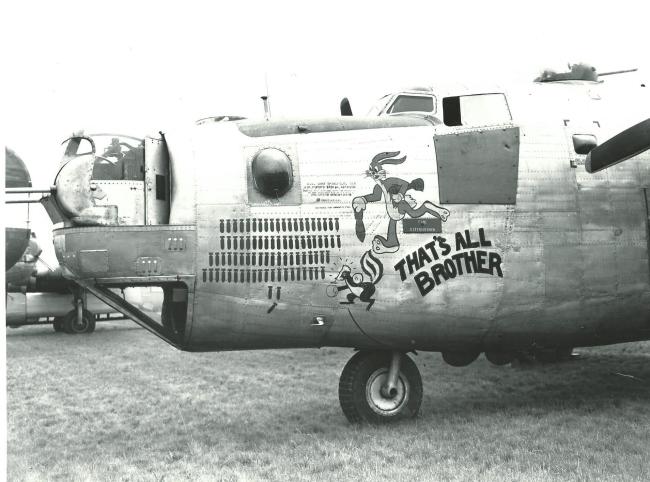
360, 389
73, 326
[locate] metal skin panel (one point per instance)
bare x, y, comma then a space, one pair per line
567, 264
305, 126
128, 196
478, 165
93, 261
183, 166
243, 312
156, 164
121, 246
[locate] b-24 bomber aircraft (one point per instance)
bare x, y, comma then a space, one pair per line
457, 220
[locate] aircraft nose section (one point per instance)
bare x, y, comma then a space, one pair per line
75, 193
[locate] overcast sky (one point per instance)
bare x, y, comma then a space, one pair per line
137, 67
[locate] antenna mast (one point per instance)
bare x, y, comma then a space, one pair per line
265, 98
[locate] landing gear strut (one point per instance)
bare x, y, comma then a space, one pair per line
78, 320
379, 387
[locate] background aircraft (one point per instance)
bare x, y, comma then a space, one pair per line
37, 293
489, 221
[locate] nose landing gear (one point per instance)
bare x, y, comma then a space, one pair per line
379, 387
76, 321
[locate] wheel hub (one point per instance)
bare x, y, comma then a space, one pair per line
80, 325
378, 402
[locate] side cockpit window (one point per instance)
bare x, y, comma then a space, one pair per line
479, 163
118, 158
476, 110
412, 103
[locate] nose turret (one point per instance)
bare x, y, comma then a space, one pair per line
113, 180
76, 193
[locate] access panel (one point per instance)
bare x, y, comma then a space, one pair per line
478, 166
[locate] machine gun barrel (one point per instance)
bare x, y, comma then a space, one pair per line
30, 190
614, 72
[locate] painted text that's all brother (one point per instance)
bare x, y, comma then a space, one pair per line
436, 261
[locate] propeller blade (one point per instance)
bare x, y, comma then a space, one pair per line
622, 146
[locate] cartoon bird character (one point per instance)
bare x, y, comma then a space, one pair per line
399, 203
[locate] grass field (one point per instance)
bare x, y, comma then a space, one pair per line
121, 405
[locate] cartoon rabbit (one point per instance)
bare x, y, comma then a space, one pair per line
398, 202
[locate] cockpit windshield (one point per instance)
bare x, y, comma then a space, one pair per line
378, 106
404, 103
117, 157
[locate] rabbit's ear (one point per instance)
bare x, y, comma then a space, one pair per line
376, 161
392, 161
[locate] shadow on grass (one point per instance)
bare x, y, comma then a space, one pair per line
596, 384
140, 391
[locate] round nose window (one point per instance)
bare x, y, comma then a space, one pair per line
271, 169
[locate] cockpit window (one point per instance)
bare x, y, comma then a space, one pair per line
476, 110
412, 103
378, 107
78, 146
117, 157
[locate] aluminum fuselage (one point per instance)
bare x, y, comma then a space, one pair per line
562, 262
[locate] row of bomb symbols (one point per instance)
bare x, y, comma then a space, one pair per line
268, 259
262, 275
265, 225
314, 241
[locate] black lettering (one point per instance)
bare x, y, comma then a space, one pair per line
431, 246
470, 243
412, 262
423, 257
460, 242
470, 262
495, 264
400, 267
438, 270
459, 266
450, 268
445, 247
481, 259
424, 282
481, 236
